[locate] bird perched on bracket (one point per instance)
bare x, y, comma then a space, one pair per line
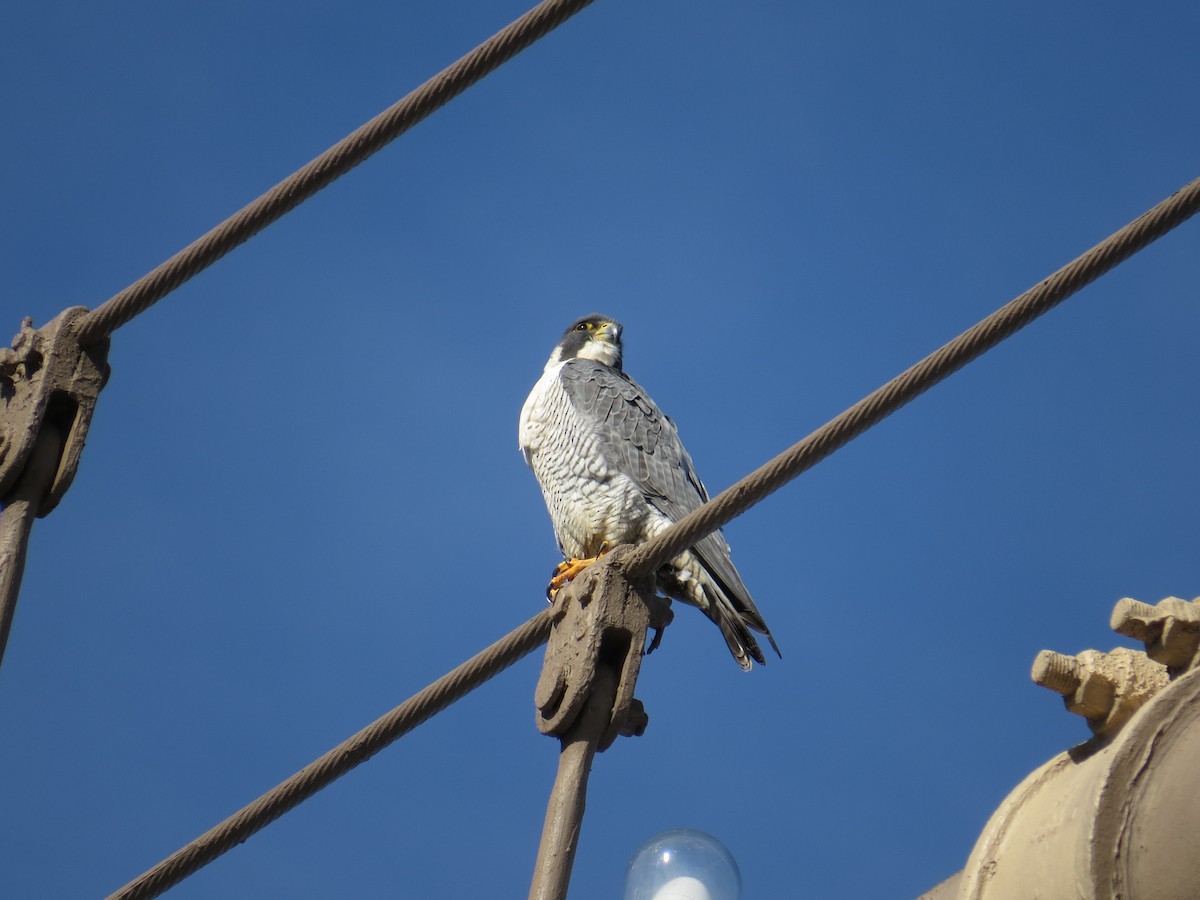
613, 471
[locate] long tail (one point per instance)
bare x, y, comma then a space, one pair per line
730, 604
692, 579
736, 627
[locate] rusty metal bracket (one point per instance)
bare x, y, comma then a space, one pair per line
585, 696
48, 390
48, 376
599, 618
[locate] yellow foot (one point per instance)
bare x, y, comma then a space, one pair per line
566, 570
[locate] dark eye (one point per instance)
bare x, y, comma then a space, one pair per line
582, 326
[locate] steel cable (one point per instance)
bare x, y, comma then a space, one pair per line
326, 168
373, 136
340, 760
884, 401
692, 528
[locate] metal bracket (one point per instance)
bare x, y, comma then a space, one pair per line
600, 618
48, 376
585, 696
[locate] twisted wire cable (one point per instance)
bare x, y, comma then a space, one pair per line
884, 401
340, 760
326, 168
713, 515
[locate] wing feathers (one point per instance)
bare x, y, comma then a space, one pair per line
640, 441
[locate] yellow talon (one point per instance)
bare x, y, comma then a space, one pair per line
566, 571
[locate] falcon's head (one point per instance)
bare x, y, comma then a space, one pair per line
592, 337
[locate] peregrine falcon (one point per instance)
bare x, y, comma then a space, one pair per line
613, 471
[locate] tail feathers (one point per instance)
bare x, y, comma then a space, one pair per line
751, 619
737, 620
771, 638
732, 610
737, 636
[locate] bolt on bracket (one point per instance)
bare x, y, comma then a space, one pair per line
1170, 629
1108, 688
1104, 688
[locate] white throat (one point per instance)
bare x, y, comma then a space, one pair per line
604, 352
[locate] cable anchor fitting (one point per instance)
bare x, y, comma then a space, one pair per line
600, 619
47, 376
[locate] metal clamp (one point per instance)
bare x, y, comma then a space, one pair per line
600, 618
48, 376
585, 696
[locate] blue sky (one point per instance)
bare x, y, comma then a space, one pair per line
301, 499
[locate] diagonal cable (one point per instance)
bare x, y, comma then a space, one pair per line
692, 528
884, 401
326, 168
340, 760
